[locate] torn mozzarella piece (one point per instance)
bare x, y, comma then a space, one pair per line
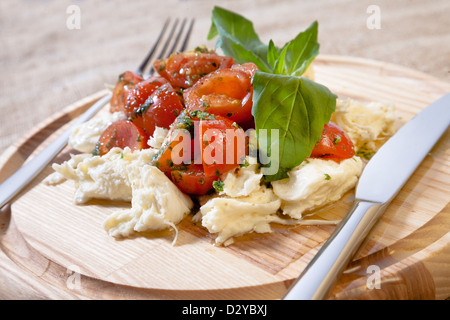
316, 182
368, 126
85, 136
101, 177
242, 181
158, 137
229, 217
156, 204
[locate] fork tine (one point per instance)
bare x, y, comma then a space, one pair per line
140, 69
163, 52
174, 45
188, 35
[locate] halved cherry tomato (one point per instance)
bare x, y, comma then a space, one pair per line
122, 133
223, 145
181, 131
334, 144
192, 179
186, 68
141, 92
160, 109
225, 92
124, 85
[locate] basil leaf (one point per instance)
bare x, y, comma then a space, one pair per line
300, 52
297, 109
237, 38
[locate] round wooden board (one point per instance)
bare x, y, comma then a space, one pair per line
65, 251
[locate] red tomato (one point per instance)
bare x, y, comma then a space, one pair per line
121, 134
334, 144
223, 145
225, 92
141, 92
159, 109
180, 132
192, 180
126, 83
186, 68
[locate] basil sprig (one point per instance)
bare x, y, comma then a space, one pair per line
294, 106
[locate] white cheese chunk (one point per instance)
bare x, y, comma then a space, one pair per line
85, 136
159, 135
231, 217
242, 181
368, 126
102, 177
156, 204
316, 182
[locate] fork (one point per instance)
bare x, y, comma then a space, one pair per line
11, 187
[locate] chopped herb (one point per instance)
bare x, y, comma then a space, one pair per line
365, 153
337, 139
202, 115
218, 185
327, 176
96, 151
205, 105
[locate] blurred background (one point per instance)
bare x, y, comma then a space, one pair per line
47, 62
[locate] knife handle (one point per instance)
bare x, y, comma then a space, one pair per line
322, 272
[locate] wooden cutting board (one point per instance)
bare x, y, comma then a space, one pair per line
55, 249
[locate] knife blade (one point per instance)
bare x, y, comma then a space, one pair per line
383, 177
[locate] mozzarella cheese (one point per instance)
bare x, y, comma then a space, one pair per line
368, 126
85, 136
316, 182
242, 181
101, 177
156, 204
230, 217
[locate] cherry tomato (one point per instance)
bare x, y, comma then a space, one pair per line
223, 145
141, 92
181, 133
225, 92
192, 179
125, 84
122, 133
160, 109
334, 144
186, 68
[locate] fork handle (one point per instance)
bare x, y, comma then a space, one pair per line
22, 177
322, 272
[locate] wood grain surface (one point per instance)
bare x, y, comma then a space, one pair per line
51, 248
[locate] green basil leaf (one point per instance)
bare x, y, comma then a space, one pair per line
297, 109
273, 53
237, 38
301, 51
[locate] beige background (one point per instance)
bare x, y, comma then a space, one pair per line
45, 66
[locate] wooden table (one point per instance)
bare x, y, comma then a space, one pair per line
47, 66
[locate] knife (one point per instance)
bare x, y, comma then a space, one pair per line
383, 177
